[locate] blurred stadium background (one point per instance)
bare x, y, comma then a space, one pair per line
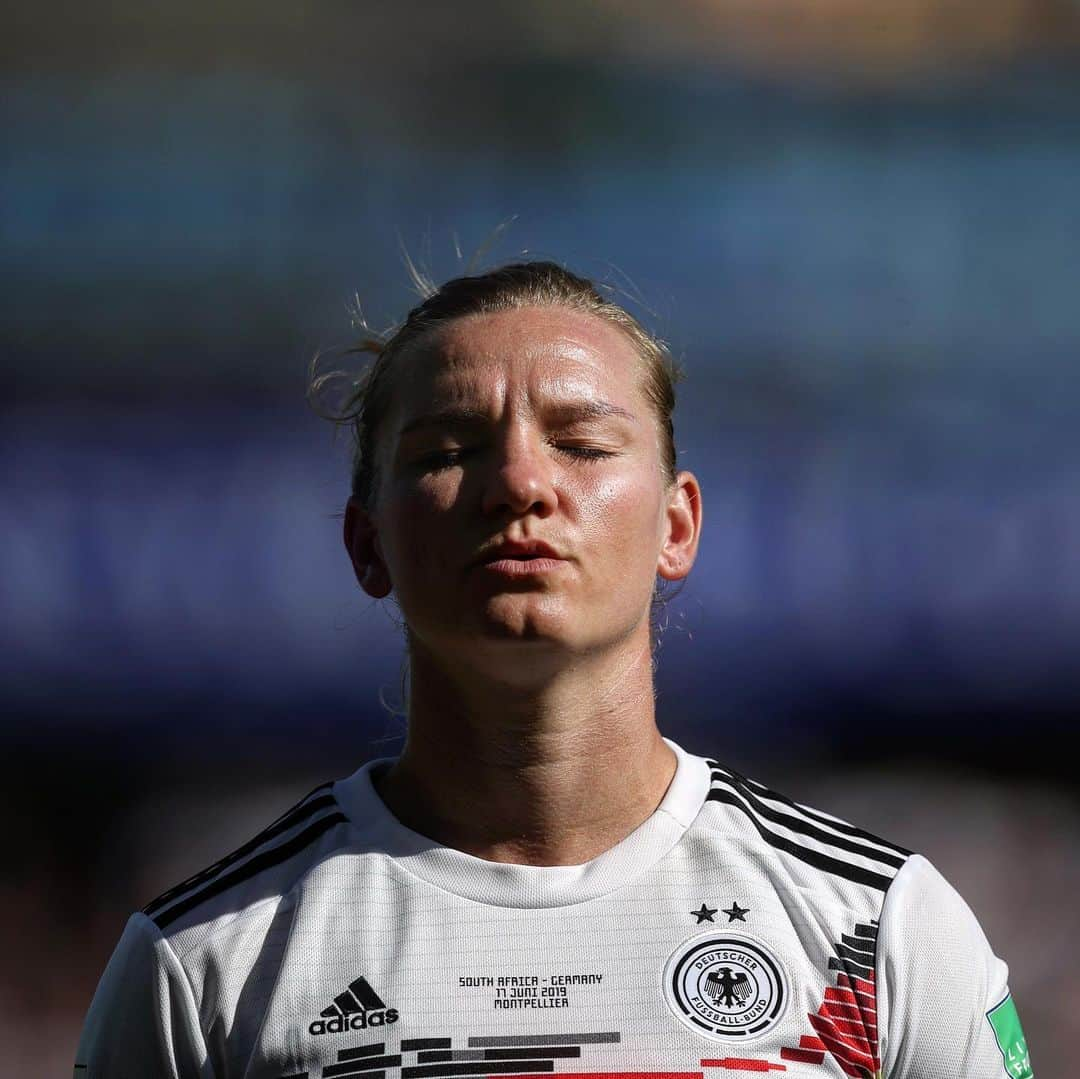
856, 223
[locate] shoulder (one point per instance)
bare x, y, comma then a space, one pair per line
198, 946
905, 910
265, 868
898, 938
944, 1004
924, 916
123, 1033
814, 848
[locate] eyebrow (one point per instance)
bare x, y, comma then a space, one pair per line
564, 414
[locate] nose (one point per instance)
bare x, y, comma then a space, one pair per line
520, 480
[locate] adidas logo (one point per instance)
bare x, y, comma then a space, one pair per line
358, 1008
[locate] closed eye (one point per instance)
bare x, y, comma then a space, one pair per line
441, 460
586, 453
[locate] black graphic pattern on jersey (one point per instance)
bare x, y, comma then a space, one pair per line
751, 798
373, 1049
505, 1041
845, 1026
505, 1054
233, 869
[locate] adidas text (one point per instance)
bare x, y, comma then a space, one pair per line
356, 1021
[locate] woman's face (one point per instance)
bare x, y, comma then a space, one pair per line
521, 505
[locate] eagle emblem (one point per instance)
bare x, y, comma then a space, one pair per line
727, 988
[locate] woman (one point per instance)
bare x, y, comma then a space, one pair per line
541, 883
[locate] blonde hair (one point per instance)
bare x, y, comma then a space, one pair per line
520, 284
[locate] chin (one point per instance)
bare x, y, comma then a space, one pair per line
572, 628
526, 631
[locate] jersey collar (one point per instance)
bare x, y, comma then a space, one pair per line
507, 885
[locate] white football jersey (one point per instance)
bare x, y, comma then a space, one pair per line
734, 931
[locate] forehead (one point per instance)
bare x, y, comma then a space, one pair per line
534, 352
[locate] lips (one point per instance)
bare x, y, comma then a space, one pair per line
520, 560
519, 551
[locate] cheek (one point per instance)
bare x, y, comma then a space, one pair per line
418, 530
623, 516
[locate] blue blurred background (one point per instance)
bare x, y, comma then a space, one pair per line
857, 226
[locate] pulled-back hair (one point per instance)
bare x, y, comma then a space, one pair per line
521, 284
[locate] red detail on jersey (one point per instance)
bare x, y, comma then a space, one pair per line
862, 1034
602, 1075
740, 1065
846, 1027
858, 985
806, 1056
848, 1013
864, 1001
841, 996
854, 1055
850, 1034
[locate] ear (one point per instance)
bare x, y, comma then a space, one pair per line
362, 543
683, 528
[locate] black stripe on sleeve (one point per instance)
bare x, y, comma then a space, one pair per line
249, 869
306, 807
822, 818
815, 858
797, 824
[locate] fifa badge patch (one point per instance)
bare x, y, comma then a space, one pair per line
1010, 1039
727, 986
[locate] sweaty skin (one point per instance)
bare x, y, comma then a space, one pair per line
532, 735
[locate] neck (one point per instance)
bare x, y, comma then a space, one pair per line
554, 773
